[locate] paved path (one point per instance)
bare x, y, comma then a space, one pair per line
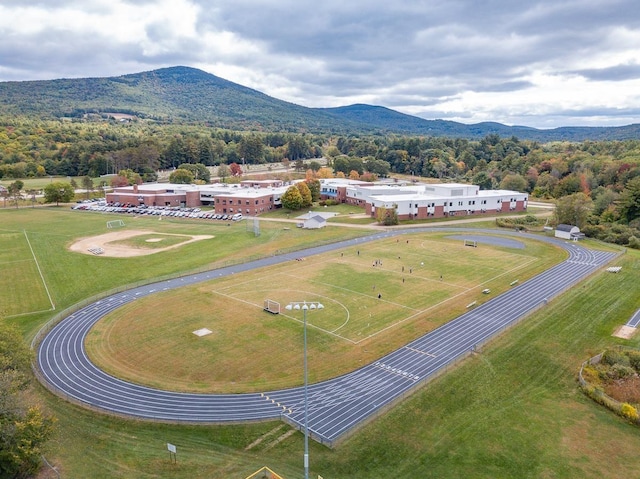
634, 322
336, 406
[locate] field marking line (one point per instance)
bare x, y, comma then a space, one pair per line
516, 268
16, 261
309, 324
419, 351
53, 306
333, 286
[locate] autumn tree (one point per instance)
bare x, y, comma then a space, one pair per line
125, 178
292, 199
387, 216
236, 169
325, 173
305, 193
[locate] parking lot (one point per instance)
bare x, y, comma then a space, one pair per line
142, 210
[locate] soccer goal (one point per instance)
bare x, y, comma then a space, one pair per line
271, 306
473, 243
115, 224
253, 226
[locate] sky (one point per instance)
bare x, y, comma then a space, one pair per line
538, 63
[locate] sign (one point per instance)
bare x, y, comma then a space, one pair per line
171, 448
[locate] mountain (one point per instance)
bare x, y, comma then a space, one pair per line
182, 94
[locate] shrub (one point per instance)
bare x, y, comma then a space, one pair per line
620, 371
629, 412
612, 356
634, 360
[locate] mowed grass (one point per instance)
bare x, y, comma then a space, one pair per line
377, 297
72, 277
20, 279
511, 411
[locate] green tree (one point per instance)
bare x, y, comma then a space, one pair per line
573, 209
58, 192
483, 180
251, 148
181, 176
292, 199
224, 172
14, 191
305, 193
87, 185
314, 188
514, 182
629, 203
24, 430
199, 171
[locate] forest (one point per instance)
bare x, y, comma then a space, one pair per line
595, 184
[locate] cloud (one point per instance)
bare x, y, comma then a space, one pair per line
502, 60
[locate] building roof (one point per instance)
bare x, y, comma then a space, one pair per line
566, 228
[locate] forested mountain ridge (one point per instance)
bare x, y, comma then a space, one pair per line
188, 95
175, 95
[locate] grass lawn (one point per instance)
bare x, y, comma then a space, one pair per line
423, 280
511, 410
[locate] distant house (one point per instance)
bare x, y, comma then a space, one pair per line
568, 232
3, 189
315, 222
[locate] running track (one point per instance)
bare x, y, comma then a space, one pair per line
336, 406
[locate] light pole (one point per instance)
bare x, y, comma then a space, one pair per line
305, 306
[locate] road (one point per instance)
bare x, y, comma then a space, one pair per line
337, 406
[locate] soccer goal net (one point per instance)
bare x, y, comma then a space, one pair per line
271, 306
115, 224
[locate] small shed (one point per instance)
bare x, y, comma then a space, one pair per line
568, 232
315, 222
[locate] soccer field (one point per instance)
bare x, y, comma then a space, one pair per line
369, 290
375, 299
21, 279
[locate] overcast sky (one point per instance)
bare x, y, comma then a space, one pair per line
541, 63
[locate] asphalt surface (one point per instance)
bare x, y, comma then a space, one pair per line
336, 406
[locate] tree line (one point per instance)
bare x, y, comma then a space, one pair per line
594, 177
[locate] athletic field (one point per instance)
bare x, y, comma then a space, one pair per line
376, 297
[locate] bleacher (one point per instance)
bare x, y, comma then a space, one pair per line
95, 250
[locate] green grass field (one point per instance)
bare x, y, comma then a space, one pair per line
377, 297
21, 279
511, 410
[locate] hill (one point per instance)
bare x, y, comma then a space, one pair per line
186, 95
